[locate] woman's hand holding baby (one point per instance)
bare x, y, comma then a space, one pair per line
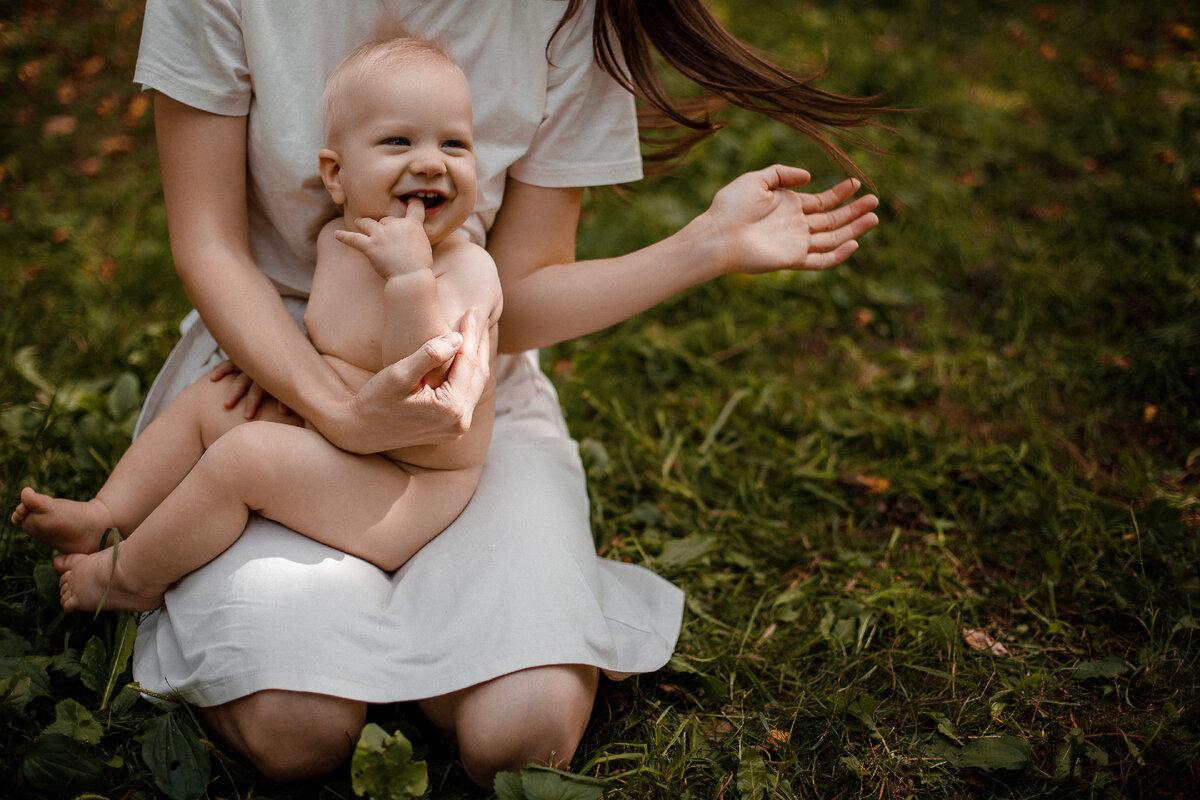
399, 408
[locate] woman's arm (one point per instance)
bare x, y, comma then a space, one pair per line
203, 162
755, 224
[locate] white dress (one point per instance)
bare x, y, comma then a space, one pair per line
515, 582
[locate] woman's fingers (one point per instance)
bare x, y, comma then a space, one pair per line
237, 390
226, 367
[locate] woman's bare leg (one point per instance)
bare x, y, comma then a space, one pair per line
289, 735
536, 715
147, 472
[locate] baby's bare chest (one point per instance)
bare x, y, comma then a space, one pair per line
345, 316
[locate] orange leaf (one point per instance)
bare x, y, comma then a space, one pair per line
117, 145
91, 67
136, 109
60, 125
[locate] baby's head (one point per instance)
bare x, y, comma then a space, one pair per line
398, 124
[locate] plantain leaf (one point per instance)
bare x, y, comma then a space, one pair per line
178, 762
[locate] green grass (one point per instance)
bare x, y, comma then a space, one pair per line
988, 420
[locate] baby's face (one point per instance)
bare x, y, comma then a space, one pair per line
409, 133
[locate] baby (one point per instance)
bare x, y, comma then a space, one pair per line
392, 273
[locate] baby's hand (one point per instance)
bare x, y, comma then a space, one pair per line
393, 245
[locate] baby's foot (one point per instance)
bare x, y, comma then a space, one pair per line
68, 526
86, 578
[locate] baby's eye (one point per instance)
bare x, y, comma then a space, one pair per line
456, 144
397, 141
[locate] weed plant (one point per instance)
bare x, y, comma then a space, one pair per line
935, 511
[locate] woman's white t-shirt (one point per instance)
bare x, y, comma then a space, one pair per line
543, 113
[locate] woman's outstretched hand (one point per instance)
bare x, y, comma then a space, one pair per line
765, 226
397, 407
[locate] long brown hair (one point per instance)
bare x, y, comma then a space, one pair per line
730, 71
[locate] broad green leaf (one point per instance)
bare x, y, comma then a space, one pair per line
988, 753
550, 786
58, 766
13, 643
93, 663
14, 690
753, 779
125, 397
383, 767
1107, 667
178, 762
688, 550
125, 638
596, 461
73, 720
20, 421
45, 580
32, 681
508, 786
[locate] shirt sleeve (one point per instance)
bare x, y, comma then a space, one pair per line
194, 52
588, 135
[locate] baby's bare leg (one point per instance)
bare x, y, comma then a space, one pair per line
152, 466
363, 505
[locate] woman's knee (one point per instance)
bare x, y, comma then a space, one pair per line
290, 735
536, 716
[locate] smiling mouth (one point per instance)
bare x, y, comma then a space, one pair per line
432, 200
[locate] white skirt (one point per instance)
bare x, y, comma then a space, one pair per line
513, 583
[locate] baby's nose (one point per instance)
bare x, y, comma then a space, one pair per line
428, 163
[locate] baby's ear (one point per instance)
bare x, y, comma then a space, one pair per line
330, 166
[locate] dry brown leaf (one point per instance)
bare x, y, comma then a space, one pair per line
60, 125
107, 105
117, 145
66, 92
979, 640
30, 72
108, 269
136, 109
91, 67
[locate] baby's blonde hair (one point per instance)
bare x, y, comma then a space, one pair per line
370, 59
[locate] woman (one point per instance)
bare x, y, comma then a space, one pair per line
499, 627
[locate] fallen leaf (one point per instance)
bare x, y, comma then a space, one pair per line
90, 67
30, 72
1149, 413
108, 269
136, 109
60, 125
66, 92
107, 105
117, 145
1134, 62
872, 484
1048, 51
89, 166
979, 640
